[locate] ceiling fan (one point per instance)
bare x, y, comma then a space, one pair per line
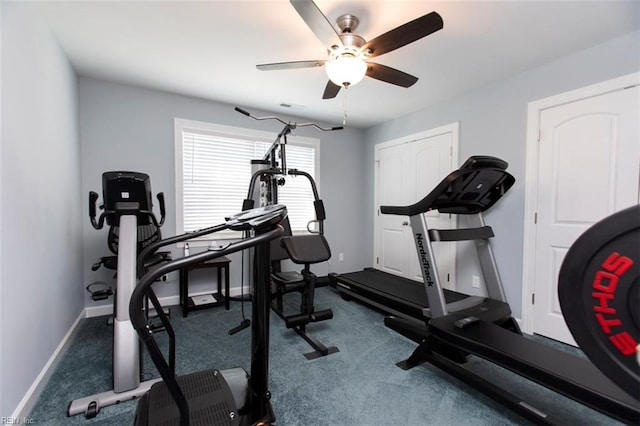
348, 53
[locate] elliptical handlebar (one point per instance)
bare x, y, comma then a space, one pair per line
269, 229
99, 224
160, 197
261, 217
93, 197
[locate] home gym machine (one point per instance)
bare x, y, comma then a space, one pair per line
128, 210
306, 250
230, 397
488, 331
472, 189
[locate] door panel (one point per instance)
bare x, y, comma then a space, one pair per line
392, 258
588, 169
407, 173
433, 162
394, 177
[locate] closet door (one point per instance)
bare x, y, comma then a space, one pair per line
406, 173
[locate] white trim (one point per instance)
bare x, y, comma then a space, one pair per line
535, 109
98, 311
453, 129
168, 301
33, 393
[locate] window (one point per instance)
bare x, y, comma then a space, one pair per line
213, 171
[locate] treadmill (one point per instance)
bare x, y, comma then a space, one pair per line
472, 189
452, 330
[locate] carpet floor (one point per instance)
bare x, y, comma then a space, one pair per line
359, 385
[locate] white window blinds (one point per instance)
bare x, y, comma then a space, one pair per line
215, 170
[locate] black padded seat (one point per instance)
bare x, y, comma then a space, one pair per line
307, 249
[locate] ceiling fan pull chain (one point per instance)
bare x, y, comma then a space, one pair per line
344, 106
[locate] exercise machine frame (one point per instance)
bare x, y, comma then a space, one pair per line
250, 394
269, 171
472, 189
127, 202
488, 331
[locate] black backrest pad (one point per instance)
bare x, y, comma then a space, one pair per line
307, 249
320, 212
277, 251
125, 191
476, 186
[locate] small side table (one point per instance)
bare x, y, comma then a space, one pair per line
187, 303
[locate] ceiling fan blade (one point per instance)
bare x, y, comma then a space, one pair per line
331, 90
390, 75
317, 22
403, 35
290, 65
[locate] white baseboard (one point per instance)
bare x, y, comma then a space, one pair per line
107, 309
28, 401
98, 311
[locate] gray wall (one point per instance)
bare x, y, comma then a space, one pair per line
41, 244
493, 121
130, 128
47, 245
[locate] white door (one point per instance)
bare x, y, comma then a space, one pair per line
406, 173
588, 168
395, 186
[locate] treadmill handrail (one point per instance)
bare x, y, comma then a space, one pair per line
476, 186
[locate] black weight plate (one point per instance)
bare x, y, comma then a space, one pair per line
598, 292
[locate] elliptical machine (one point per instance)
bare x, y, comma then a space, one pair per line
127, 205
211, 396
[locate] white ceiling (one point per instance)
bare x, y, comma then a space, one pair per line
209, 49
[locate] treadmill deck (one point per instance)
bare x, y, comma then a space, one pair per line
396, 293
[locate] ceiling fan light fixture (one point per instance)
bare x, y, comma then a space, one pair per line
346, 70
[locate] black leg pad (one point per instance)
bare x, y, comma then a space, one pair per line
302, 319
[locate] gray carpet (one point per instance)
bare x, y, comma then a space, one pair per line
360, 385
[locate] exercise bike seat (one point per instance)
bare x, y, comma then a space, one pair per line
307, 249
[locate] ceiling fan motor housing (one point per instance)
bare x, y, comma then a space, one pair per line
347, 23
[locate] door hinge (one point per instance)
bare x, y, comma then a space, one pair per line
448, 277
535, 218
533, 298
377, 260
539, 135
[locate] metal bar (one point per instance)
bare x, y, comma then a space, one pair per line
492, 279
427, 261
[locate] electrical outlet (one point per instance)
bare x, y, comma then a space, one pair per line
340, 257
475, 281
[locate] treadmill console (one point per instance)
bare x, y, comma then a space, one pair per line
476, 186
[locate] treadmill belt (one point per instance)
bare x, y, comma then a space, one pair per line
396, 288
